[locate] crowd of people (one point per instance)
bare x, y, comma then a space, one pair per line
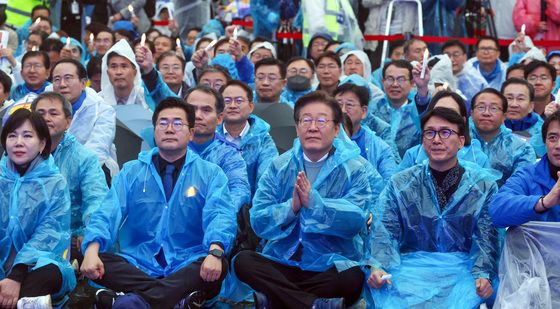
314, 182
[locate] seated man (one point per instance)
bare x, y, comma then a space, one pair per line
435, 224
208, 105
311, 206
299, 79
395, 108
353, 101
170, 214
248, 132
506, 151
78, 165
531, 193
487, 62
35, 67
521, 117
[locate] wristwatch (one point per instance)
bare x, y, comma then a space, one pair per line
217, 253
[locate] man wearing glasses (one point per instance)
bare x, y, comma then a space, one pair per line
542, 76
488, 63
469, 80
170, 214
435, 224
506, 151
35, 72
311, 205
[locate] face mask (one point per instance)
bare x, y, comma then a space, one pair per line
298, 83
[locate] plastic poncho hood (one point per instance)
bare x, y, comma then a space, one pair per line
363, 58
121, 48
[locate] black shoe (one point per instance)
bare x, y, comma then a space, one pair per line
261, 301
104, 298
328, 303
192, 301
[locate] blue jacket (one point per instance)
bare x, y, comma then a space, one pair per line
327, 231
494, 78
257, 148
136, 221
85, 179
470, 82
228, 157
472, 153
290, 97
376, 151
19, 91
159, 91
413, 221
513, 204
35, 220
506, 152
530, 125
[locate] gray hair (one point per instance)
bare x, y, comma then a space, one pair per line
50, 95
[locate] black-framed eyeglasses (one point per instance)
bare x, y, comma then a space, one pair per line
443, 133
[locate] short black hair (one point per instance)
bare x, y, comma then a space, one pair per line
170, 53
452, 43
394, 45
492, 91
331, 43
322, 97
94, 66
80, 70
148, 43
401, 64
209, 90
104, 28
462, 108
6, 81
519, 81
45, 19
171, 40
197, 29
448, 115
274, 62
42, 34
51, 44
535, 64
114, 54
488, 38
201, 40
42, 54
40, 7
544, 130
517, 66
152, 30
214, 69
174, 102
331, 55
220, 43
17, 119
238, 83
360, 91
309, 62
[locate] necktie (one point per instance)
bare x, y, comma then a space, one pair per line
168, 180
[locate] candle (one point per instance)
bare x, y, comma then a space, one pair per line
91, 38
67, 42
37, 21
235, 33
445, 85
386, 277
143, 40
178, 42
34, 48
131, 10
523, 29
558, 97
424, 63
211, 45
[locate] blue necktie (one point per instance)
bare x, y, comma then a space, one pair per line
168, 180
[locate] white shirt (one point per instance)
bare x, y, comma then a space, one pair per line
237, 140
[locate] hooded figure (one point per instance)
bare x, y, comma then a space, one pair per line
121, 48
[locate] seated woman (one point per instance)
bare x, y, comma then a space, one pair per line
34, 216
433, 233
471, 152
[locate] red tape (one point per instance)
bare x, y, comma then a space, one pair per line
242, 23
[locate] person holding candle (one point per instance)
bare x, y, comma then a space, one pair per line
541, 22
120, 10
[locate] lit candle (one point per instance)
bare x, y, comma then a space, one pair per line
424, 63
131, 10
67, 42
235, 33
34, 48
386, 277
37, 21
91, 38
445, 85
178, 42
523, 29
191, 191
209, 47
143, 40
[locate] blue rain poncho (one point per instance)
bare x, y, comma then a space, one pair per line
228, 157
290, 97
328, 231
470, 82
19, 91
472, 153
411, 222
376, 151
494, 78
506, 152
529, 129
513, 204
85, 179
35, 220
257, 149
136, 221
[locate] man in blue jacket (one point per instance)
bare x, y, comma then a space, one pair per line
533, 192
208, 105
311, 206
166, 224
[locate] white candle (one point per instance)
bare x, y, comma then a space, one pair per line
67, 42
143, 40
37, 20
131, 10
445, 85
209, 47
386, 277
91, 38
235, 33
178, 42
424, 63
558, 97
34, 48
523, 29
